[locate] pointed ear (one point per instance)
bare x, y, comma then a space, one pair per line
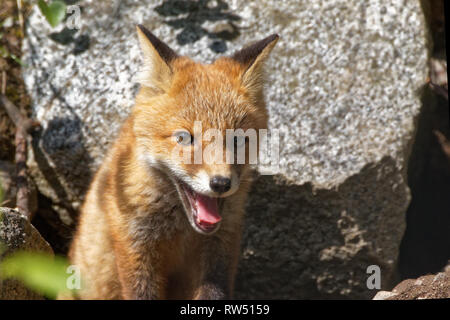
157, 72
252, 59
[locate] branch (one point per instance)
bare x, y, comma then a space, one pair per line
438, 89
445, 144
23, 126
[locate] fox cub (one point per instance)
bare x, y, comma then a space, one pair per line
155, 225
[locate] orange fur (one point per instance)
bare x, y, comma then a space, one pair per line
134, 240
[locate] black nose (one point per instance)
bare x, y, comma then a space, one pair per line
220, 184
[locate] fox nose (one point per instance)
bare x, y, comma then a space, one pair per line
220, 184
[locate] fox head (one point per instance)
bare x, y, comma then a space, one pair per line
192, 120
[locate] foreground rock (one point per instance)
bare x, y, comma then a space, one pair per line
343, 93
16, 233
426, 287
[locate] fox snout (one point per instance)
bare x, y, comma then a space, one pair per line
216, 183
220, 184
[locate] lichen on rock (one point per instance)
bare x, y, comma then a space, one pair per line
17, 233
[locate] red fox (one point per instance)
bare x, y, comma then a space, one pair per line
154, 227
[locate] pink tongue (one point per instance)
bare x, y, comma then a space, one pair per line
207, 210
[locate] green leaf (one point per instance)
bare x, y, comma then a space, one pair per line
16, 59
38, 271
4, 52
55, 12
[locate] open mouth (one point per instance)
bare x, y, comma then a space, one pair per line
202, 211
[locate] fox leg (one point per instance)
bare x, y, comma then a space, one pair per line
139, 279
220, 264
215, 285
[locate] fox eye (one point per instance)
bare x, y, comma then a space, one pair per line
184, 138
239, 141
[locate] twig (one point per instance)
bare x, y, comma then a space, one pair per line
19, 7
438, 89
2, 204
23, 126
3, 82
445, 144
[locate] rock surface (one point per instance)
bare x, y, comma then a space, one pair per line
435, 286
16, 233
343, 91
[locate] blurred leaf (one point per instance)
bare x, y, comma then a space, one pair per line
38, 271
4, 52
54, 12
16, 59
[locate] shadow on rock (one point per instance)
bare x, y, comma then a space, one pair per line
194, 14
59, 152
425, 248
301, 243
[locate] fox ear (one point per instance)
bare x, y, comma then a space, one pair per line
157, 71
252, 59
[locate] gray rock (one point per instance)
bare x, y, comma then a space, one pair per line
16, 233
342, 90
384, 295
